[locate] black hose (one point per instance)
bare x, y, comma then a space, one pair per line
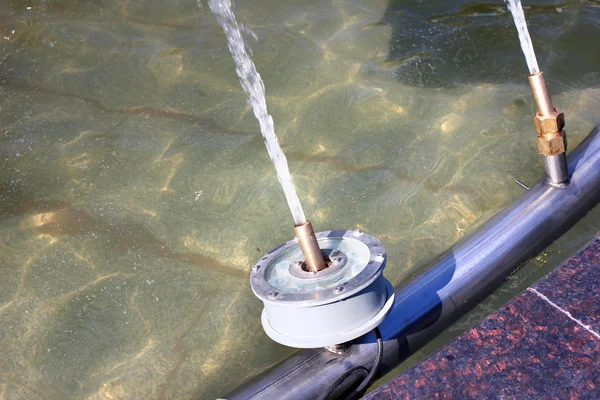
356, 393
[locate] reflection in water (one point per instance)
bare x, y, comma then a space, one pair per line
135, 189
119, 237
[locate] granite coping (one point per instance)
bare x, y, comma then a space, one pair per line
544, 344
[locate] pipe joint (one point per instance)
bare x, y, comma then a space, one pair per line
551, 136
555, 122
552, 144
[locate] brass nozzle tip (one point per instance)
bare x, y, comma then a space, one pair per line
541, 93
309, 246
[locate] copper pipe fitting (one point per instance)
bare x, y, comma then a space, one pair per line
549, 121
541, 94
551, 136
310, 247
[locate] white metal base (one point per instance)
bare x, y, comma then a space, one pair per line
306, 339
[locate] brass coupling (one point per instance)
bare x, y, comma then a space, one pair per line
549, 121
551, 135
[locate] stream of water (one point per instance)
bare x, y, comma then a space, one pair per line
526, 45
255, 89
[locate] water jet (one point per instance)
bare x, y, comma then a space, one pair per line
549, 121
320, 289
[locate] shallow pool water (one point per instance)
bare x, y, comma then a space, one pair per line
136, 192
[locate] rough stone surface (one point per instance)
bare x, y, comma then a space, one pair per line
543, 344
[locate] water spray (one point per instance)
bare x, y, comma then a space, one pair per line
549, 121
320, 289
255, 89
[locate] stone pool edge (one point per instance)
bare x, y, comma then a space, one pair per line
545, 343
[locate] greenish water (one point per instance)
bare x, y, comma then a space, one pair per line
135, 190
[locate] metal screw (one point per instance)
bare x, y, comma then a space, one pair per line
338, 348
255, 267
339, 289
272, 295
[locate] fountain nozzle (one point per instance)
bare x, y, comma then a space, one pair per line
549, 122
307, 240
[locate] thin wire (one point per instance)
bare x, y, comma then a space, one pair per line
341, 379
367, 381
356, 393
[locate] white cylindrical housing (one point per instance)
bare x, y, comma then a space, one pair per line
309, 310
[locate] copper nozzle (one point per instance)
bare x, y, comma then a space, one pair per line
541, 94
549, 121
310, 247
